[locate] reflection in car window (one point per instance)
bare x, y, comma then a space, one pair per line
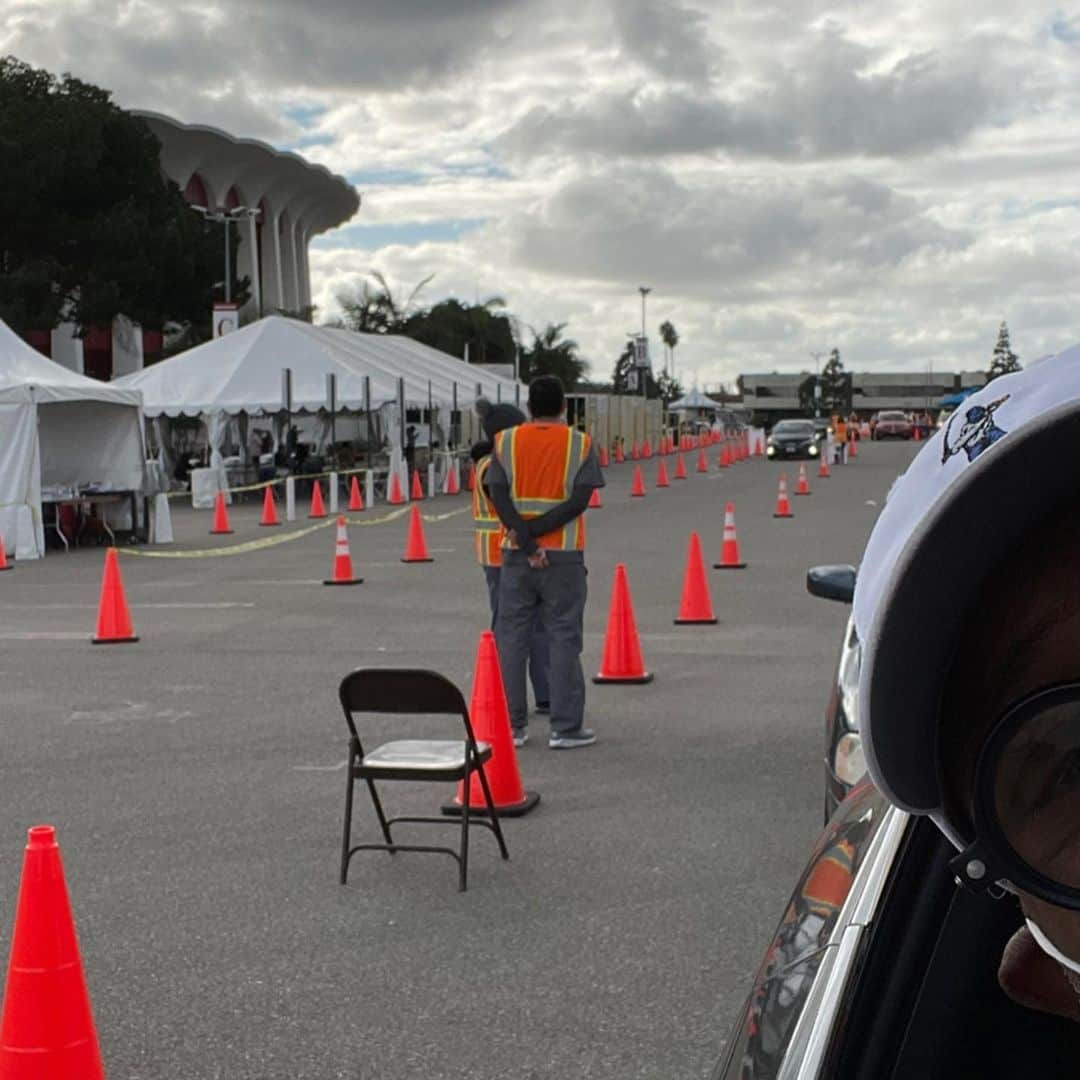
787, 973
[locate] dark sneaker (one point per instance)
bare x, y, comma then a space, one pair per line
543, 708
521, 737
571, 740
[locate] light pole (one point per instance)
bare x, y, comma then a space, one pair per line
817, 383
220, 214
644, 290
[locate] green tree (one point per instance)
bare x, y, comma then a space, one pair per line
375, 309
835, 385
664, 387
1004, 360
552, 354
670, 337
89, 227
451, 325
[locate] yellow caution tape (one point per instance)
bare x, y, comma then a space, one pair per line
262, 543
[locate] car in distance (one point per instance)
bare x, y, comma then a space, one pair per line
893, 425
790, 439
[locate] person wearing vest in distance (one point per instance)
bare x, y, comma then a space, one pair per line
489, 537
540, 479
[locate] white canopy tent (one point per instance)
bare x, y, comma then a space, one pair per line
693, 401
59, 430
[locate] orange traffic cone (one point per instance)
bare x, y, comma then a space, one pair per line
646, 449
729, 549
802, 487
915, 433
637, 487
114, 619
452, 486
622, 661
343, 568
318, 510
724, 460
594, 500
4, 564
471, 484
680, 467
853, 448
396, 498
696, 604
605, 461
47, 1029
269, 513
823, 465
417, 491
759, 449
221, 517
490, 720
620, 457
635, 453
356, 499
783, 507
415, 544
702, 461
661, 475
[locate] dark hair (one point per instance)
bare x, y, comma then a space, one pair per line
546, 397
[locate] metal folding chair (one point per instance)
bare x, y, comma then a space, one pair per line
405, 690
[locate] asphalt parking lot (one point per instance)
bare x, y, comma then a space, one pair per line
196, 781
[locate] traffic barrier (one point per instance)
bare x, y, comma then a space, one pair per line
594, 500
356, 500
802, 485
220, 526
416, 494
695, 608
490, 718
269, 510
415, 545
621, 662
680, 467
343, 567
114, 618
396, 498
729, 549
662, 476
318, 510
637, 487
47, 1028
783, 507
702, 461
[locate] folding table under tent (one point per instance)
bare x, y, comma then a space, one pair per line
62, 431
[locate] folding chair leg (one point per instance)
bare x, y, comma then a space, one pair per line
383, 823
464, 860
348, 824
493, 814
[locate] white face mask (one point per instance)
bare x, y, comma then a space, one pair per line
1051, 949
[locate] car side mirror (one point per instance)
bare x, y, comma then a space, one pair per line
832, 583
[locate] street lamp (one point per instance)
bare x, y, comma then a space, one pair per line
816, 356
236, 213
644, 290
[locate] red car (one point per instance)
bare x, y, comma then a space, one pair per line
892, 425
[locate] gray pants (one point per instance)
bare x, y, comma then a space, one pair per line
539, 661
557, 593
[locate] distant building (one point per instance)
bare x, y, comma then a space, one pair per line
774, 396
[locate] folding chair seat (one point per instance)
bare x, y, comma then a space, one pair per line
397, 691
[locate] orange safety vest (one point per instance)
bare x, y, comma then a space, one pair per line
489, 529
540, 462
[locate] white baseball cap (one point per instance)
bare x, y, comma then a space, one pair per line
1004, 460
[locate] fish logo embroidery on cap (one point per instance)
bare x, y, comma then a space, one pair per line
976, 433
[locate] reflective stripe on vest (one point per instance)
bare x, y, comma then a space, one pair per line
541, 462
489, 528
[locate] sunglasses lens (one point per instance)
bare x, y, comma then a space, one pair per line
1037, 793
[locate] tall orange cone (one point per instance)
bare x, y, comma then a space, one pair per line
490, 719
4, 564
696, 604
637, 486
417, 492
915, 433
759, 448
783, 507
269, 511
724, 460
356, 499
452, 486
343, 568
702, 461
114, 619
318, 510
220, 526
680, 467
415, 544
605, 461
662, 476
802, 487
47, 1029
729, 549
823, 465
646, 449
594, 500
622, 661
396, 498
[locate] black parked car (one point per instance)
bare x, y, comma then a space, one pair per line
793, 439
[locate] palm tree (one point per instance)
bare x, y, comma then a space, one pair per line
552, 354
377, 310
670, 337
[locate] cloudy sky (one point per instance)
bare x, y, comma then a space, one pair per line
892, 179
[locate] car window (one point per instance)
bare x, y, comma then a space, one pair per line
892, 416
794, 427
786, 975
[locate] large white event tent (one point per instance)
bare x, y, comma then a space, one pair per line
694, 401
59, 430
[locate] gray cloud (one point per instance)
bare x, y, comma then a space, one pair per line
671, 40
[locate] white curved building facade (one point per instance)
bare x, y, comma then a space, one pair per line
290, 199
